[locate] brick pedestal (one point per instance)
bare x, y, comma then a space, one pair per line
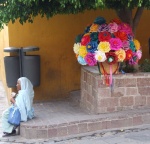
129, 91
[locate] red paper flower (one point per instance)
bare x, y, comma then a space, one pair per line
122, 35
104, 36
128, 54
85, 40
116, 21
111, 58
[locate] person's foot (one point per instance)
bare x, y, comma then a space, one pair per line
13, 133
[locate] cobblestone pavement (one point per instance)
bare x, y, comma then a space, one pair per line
134, 135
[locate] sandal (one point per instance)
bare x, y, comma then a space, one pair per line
13, 133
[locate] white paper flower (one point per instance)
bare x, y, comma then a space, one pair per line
76, 48
100, 56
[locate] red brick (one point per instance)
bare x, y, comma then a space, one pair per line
101, 110
42, 133
52, 132
89, 78
62, 131
143, 82
126, 101
140, 100
93, 126
137, 120
108, 102
31, 133
94, 83
121, 123
132, 91
92, 100
82, 127
101, 83
85, 76
118, 92
104, 92
146, 119
73, 129
126, 82
106, 124
144, 90
94, 93
111, 109
89, 90
148, 101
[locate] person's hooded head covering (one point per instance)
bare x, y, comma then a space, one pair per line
24, 100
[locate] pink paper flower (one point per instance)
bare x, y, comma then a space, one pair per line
113, 27
139, 54
126, 28
90, 59
115, 43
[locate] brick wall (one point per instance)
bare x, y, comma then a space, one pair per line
128, 91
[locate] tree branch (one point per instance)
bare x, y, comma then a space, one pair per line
125, 14
136, 18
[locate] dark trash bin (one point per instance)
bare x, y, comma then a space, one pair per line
31, 66
12, 67
22, 65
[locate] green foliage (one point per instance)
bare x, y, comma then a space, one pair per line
145, 66
26, 10
127, 68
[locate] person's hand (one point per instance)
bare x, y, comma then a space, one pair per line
12, 100
13, 94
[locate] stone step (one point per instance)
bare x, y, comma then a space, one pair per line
62, 119
74, 97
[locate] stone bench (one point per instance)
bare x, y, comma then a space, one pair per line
129, 91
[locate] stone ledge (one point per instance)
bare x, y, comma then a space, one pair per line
128, 91
88, 123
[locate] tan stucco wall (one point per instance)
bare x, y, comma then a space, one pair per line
143, 33
60, 72
4, 42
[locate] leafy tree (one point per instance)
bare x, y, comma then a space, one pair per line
26, 10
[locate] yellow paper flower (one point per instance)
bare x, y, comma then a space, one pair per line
86, 34
82, 51
94, 28
121, 54
104, 47
76, 48
137, 44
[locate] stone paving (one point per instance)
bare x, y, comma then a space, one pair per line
130, 135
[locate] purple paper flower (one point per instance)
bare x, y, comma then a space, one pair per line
103, 27
90, 59
115, 43
125, 45
130, 37
134, 59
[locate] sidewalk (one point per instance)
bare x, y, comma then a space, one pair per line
63, 122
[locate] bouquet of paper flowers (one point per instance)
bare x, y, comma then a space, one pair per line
111, 42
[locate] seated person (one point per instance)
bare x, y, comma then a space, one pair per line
24, 101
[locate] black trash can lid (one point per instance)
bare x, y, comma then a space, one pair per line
30, 48
11, 49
